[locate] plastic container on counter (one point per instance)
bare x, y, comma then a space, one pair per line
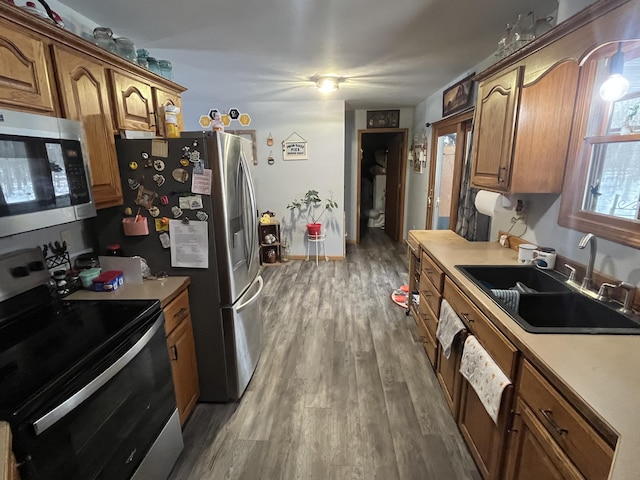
108, 281
87, 276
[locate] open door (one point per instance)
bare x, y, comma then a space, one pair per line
449, 139
382, 161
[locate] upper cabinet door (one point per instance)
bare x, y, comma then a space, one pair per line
24, 74
494, 133
133, 103
84, 96
162, 98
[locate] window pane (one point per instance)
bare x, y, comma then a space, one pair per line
613, 185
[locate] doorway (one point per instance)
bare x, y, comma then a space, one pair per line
381, 181
450, 140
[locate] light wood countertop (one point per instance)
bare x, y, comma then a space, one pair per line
164, 290
600, 371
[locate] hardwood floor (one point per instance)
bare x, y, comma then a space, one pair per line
342, 391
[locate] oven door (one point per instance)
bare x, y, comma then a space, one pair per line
104, 430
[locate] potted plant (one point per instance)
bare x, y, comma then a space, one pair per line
312, 208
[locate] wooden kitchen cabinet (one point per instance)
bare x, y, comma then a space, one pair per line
449, 376
84, 95
133, 101
551, 435
494, 130
522, 129
25, 81
161, 99
485, 438
48, 70
532, 452
182, 353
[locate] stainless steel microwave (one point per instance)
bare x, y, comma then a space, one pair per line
44, 176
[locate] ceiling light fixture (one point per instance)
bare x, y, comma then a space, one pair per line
327, 84
616, 86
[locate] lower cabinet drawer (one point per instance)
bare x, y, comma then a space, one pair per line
590, 453
503, 352
176, 311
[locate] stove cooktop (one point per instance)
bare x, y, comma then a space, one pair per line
48, 343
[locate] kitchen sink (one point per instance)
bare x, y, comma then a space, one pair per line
505, 277
547, 304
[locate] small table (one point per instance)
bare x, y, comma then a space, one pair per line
317, 239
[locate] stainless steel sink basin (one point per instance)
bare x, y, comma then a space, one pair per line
554, 307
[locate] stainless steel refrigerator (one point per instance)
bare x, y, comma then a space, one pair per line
225, 297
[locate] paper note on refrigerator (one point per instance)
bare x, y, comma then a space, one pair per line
189, 244
201, 183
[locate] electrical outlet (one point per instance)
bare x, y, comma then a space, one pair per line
65, 236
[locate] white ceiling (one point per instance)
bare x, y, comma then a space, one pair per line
393, 53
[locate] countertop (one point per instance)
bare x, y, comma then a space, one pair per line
164, 290
601, 371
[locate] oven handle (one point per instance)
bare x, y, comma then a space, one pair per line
66, 407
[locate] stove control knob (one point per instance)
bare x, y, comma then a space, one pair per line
20, 271
36, 266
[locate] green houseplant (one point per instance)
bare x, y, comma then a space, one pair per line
311, 207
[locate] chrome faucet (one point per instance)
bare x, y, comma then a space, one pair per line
589, 239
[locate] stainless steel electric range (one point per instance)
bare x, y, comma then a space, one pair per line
85, 385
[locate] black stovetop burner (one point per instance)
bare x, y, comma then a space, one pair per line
44, 341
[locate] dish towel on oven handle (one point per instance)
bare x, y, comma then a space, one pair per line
449, 325
484, 375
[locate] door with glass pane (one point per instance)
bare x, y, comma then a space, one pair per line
450, 139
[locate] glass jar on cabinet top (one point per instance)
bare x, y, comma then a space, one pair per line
153, 65
166, 69
103, 37
126, 49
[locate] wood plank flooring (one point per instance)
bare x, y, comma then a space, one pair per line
343, 389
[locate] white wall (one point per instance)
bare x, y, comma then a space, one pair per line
357, 120
321, 123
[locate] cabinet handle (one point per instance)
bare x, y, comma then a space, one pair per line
500, 171
467, 318
180, 313
174, 352
514, 428
548, 416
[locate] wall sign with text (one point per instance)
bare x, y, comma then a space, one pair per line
294, 147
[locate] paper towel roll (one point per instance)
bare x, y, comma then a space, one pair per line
488, 202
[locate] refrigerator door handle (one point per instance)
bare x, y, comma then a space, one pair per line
252, 212
254, 297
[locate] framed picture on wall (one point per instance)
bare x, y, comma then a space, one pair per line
383, 118
457, 97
